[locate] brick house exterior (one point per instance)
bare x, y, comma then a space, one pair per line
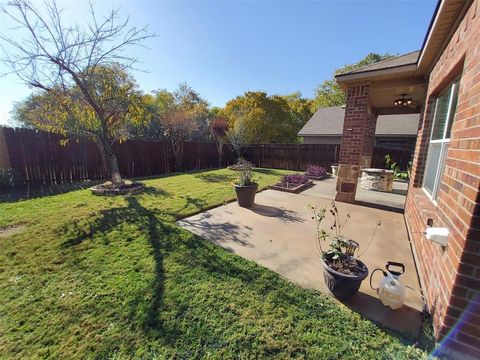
449, 63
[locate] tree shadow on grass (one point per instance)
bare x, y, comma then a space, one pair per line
156, 231
158, 234
77, 231
267, 171
150, 190
214, 178
35, 191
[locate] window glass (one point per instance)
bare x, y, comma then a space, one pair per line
432, 166
441, 113
446, 106
453, 109
441, 168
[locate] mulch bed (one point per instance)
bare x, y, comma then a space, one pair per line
292, 189
131, 189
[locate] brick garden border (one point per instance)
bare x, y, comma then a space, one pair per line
294, 190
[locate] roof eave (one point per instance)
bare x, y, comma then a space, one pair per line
371, 74
441, 29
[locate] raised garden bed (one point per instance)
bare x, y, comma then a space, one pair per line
293, 183
128, 188
292, 188
316, 172
317, 178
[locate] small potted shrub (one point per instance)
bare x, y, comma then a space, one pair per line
245, 187
241, 164
335, 169
343, 272
316, 172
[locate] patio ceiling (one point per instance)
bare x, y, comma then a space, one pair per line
388, 81
383, 93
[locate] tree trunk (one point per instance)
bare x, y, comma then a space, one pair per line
110, 160
178, 153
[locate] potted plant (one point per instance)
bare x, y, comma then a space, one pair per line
241, 164
245, 187
335, 169
343, 272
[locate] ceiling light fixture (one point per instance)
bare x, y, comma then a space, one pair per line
403, 101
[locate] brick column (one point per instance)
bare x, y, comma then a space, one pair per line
367, 151
355, 125
357, 141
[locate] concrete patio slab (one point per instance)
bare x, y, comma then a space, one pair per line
278, 233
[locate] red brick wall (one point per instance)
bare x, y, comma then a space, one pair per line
451, 278
369, 135
355, 125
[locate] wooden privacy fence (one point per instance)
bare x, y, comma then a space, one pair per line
38, 158
291, 156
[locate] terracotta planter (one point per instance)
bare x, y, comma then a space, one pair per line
246, 195
343, 286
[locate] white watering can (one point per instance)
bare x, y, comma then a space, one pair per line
391, 291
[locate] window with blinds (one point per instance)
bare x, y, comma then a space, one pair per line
445, 108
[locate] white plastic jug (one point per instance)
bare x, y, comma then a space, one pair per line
391, 290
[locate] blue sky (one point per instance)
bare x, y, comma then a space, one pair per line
223, 49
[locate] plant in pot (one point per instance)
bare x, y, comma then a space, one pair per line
343, 272
245, 187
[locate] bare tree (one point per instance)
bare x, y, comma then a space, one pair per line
219, 129
237, 135
71, 64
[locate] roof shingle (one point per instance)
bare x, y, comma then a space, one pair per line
329, 122
407, 59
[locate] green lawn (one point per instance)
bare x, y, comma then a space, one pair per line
114, 277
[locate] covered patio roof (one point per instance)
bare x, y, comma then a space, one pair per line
388, 80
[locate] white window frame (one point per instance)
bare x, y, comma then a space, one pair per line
444, 141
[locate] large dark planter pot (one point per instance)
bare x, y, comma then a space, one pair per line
343, 286
246, 195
